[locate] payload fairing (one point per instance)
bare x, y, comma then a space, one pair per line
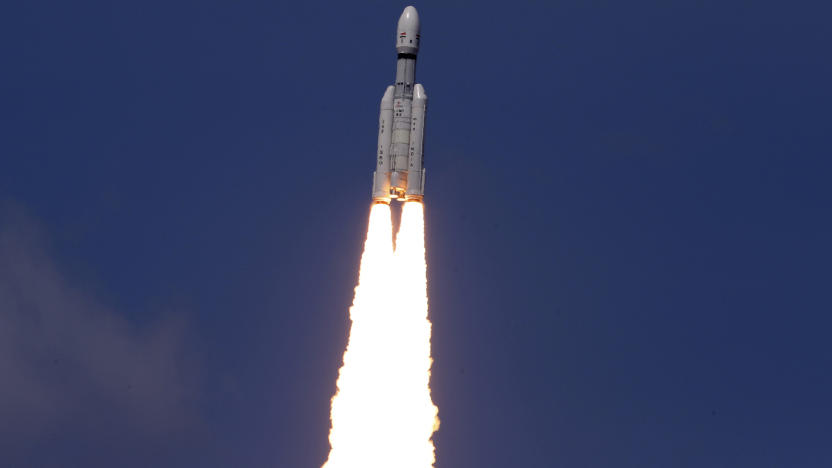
400, 172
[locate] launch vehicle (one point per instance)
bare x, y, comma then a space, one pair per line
400, 172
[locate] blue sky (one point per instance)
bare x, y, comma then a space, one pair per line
627, 229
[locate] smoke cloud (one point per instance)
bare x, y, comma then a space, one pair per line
71, 365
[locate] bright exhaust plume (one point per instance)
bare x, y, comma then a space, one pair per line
382, 413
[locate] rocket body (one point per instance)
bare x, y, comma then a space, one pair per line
400, 172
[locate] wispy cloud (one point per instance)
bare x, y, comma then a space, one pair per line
65, 357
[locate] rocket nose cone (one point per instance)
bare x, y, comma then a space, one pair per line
409, 21
407, 37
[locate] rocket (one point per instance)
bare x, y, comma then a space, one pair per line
400, 173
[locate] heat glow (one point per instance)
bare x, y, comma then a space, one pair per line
382, 413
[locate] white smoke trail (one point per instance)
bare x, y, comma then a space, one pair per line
382, 413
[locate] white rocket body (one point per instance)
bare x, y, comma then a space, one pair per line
400, 172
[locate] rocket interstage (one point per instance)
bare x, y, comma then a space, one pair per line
400, 171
